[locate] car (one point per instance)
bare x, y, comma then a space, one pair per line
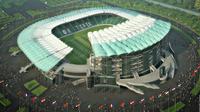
167, 92
2, 81
42, 100
53, 102
132, 102
173, 89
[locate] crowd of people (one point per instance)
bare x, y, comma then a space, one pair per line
12, 87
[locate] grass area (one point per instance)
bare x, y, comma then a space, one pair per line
39, 90
196, 90
3, 14
9, 3
18, 16
22, 109
80, 44
4, 101
81, 3
19, 2
31, 84
35, 12
11, 33
13, 49
8, 19
4, 17
171, 14
185, 36
175, 108
54, 3
186, 4
35, 87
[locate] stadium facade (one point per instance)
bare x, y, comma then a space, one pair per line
128, 53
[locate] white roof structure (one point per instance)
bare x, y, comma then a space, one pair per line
45, 50
135, 34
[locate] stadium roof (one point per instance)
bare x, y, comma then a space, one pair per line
45, 50
135, 34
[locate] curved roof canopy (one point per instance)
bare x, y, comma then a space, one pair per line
135, 34
45, 50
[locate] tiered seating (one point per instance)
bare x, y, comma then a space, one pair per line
45, 50
72, 27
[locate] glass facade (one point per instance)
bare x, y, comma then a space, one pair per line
127, 65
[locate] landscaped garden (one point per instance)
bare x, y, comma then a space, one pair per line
35, 88
175, 108
4, 101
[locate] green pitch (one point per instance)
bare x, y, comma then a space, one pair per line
80, 44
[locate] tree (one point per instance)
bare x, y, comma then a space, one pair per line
188, 4
173, 2
197, 4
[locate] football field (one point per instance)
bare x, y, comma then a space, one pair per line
80, 44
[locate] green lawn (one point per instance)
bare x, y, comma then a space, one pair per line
19, 2
31, 85
10, 3
39, 90
80, 44
3, 14
35, 12
13, 49
10, 18
18, 16
5, 102
175, 108
4, 18
180, 17
5, 4
22, 109
196, 90
53, 3
35, 87
21, 27
186, 4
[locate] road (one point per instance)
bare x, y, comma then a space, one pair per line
173, 7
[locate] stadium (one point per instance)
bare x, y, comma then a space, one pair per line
99, 56
119, 47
